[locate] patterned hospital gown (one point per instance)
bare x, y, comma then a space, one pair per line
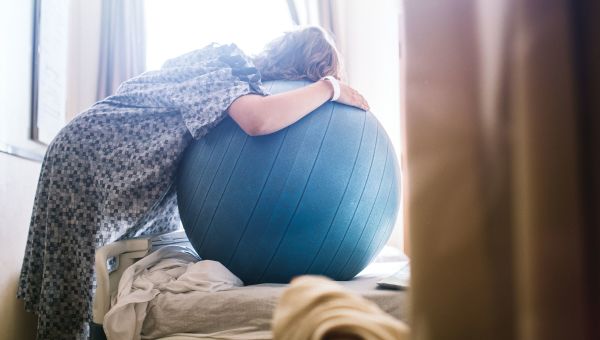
108, 176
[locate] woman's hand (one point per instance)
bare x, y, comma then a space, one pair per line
350, 96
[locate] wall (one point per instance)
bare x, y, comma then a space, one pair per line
371, 46
18, 177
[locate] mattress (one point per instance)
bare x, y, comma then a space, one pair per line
245, 312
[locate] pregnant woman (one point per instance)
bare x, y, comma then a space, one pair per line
108, 174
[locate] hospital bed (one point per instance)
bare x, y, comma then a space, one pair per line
244, 312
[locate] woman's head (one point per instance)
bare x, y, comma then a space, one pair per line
307, 53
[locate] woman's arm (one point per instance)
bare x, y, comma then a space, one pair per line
258, 115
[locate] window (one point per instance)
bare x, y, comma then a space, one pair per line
175, 27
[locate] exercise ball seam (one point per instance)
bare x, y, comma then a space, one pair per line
312, 262
258, 199
202, 174
301, 196
367, 222
394, 208
387, 226
195, 218
370, 212
212, 181
223, 192
359, 200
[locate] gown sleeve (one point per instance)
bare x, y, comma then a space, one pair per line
200, 85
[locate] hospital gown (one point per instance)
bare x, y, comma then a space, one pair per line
109, 175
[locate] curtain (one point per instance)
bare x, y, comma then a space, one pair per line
502, 140
122, 45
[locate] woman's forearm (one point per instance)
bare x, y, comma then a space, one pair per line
258, 115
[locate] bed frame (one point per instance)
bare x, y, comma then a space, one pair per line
121, 255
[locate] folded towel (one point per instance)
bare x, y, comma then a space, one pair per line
315, 308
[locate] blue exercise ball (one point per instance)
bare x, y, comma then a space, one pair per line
319, 197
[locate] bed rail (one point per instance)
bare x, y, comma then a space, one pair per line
125, 253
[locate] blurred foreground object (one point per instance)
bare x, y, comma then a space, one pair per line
315, 308
502, 138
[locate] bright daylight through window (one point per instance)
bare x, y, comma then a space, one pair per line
175, 27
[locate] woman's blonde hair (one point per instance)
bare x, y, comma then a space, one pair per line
306, 53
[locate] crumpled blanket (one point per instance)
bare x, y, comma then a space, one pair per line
169, 269
315, 308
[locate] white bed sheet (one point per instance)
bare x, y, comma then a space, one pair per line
245, 313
